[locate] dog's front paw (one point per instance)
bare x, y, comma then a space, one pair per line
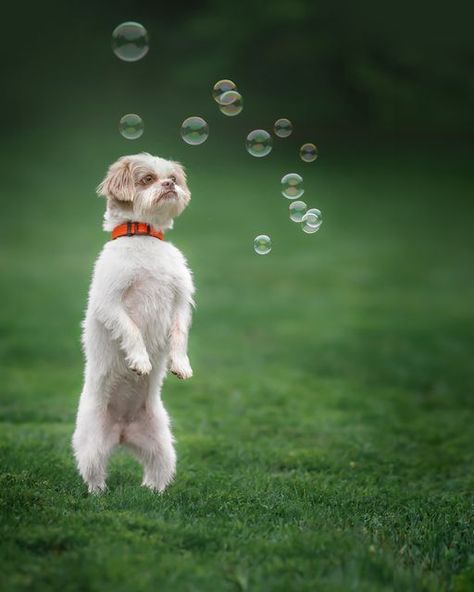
181, 368
141, 365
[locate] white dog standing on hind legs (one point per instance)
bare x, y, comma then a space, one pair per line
136, 324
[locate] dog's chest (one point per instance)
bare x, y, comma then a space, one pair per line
146, 296
151, 296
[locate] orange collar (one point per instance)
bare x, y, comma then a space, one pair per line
131, 228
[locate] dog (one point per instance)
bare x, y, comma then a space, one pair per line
136, 324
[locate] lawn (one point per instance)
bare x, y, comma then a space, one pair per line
325, 441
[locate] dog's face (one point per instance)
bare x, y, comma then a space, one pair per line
149, 188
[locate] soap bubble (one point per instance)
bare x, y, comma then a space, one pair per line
259, 143
283, 128
222, 87
292, 185
230, 103
311, 221
297, 210
131, 126
308, 152
194, 130
262, 244
130, 41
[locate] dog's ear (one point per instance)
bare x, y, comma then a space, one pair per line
118, 182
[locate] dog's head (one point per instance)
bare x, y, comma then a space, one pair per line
145, 188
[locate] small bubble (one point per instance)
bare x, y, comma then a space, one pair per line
283, 127
130, 41
222, 87
297, 210
262, 244
308, 153
231, 103
131, 126
311, 221
259, 143
292, 185
194, 130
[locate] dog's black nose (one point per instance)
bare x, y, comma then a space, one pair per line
168, 184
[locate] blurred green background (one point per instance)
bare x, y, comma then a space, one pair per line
325, 441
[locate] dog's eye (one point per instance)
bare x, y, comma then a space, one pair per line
173, 178
147, 179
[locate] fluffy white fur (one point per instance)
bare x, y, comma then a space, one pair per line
136, 325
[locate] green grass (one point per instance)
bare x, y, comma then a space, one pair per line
325, 441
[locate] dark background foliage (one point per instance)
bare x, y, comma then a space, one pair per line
393, 67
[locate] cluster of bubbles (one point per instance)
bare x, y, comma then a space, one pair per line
130, 43
228, 98
310, 220
259, 143
292, 188
195, 130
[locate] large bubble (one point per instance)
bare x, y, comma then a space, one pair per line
292, 185
130, 41
231, 103
194, 130
131, 126
259, 143
262, 244
222, 87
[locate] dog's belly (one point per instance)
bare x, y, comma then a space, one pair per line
130, 411
128, 401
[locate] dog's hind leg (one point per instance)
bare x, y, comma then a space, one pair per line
94, 438
151, 441
93, 442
